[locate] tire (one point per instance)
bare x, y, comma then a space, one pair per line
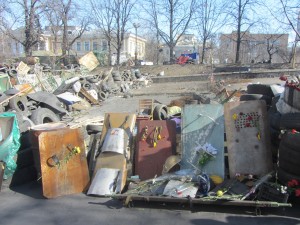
290, 121
274, 119
88, 86
273, 108
250, 97
284, 177
117, 78
43, 115
93, 129
261, 89
25, 124
102, 95
275, 136
19, 104
160, 112
291, 140
289, 159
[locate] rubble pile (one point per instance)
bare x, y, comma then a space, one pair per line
205, 150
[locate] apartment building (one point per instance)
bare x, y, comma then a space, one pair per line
254, 47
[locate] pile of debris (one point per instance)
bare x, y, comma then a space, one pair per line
38, 94
190, 151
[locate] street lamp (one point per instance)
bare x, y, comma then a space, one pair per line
136, 26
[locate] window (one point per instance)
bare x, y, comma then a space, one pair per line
78, 46
104, 45
87, 46
95, 45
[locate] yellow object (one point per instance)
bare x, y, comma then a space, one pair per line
154, 144
158, 137
216, 179
220, 193
234, 116
77, 150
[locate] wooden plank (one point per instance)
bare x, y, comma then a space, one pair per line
203, 124
149, 160
248, 153
88, 96
69, 176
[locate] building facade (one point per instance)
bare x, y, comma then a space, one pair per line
51, 41
254, 47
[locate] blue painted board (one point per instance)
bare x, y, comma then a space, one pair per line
203, 124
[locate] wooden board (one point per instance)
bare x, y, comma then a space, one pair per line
203, 124
149, 160
72, 175
247, 153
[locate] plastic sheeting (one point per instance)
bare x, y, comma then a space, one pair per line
10, 144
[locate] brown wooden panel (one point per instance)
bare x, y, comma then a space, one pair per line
248, 153
70, 176
149, 160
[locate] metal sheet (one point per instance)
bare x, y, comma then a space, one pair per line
203, 124
113, 161
149, 160
180, 189
71, 176
114, 141
106, 182
248, 154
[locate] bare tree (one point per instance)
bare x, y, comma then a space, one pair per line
240, 12
121, 11
104, 19
208, 21
290, 10
25, 14
171, 18
68, 8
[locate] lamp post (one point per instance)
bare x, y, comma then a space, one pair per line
136, 26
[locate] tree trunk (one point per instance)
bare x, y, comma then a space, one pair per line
203, 51
238, 40
109, 53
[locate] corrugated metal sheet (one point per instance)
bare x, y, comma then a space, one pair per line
203, 124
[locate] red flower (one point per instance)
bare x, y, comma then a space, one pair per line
249, 118
293, 183
297, 192
283, 78
247, 124
294, 131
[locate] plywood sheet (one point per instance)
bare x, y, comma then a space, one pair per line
89, 60
248, 138
149, 160
70, 176
203, 124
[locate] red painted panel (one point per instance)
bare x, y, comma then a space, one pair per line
149, 160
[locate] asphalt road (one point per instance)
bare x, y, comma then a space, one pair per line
25, 204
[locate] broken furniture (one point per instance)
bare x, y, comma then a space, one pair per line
60, 159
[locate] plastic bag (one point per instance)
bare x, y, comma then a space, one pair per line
10, 145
